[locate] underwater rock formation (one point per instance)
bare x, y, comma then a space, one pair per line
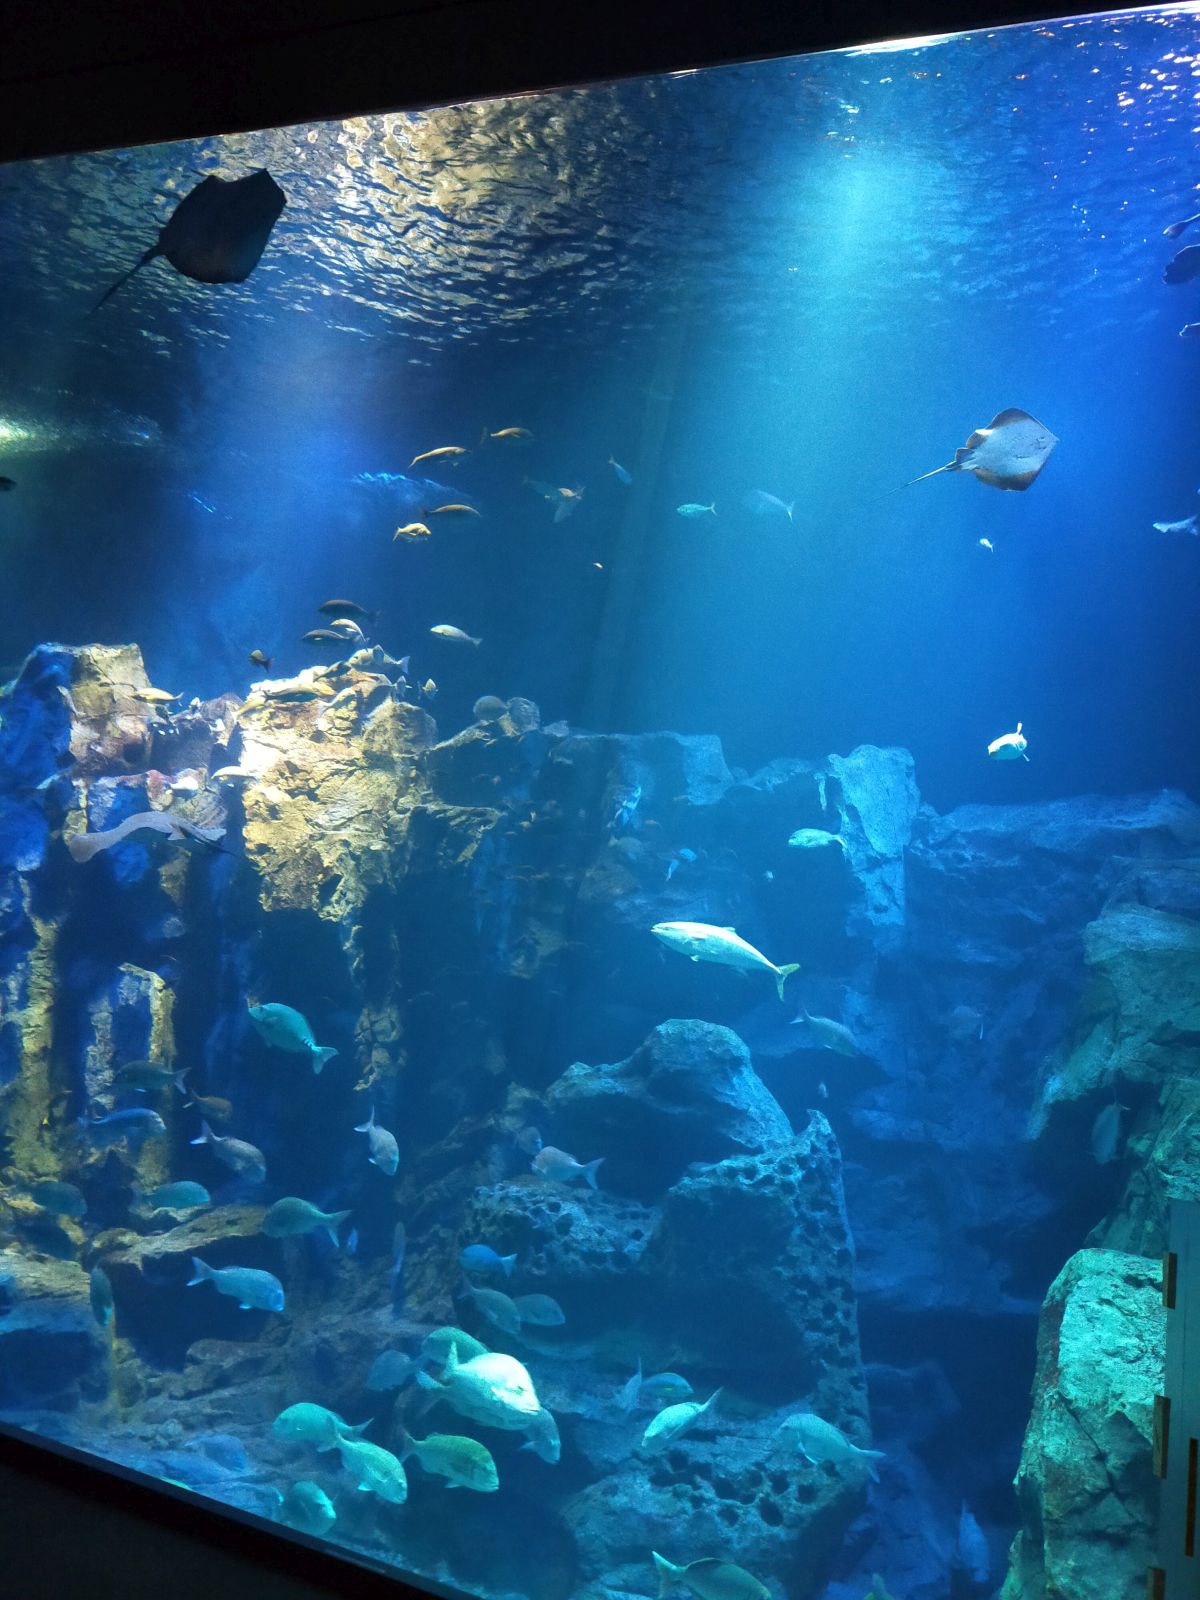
1085, 1487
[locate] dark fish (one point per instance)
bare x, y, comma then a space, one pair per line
47, 1238
63, 1199
213, 1107
323, 636
258, 659
217, 232
347, 608
143, 1075
100, 1293
6, 484
1174, 229
1182, 268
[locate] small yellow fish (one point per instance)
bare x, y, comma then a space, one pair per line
515, 435
412, 530
429, 689
156, 697
450, 453
453, 511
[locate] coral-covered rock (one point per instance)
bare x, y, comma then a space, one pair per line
1086, 1489
51, 1349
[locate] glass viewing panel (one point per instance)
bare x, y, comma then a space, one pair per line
598, 898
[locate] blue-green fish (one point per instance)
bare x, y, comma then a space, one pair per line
482, 1258
253, 1289
62, 1199
291, 1216
623, 474
463, 1462
307, 1507
100, 1293
287, 1029
307, 1423
372, 1468
174, 1197
691, 509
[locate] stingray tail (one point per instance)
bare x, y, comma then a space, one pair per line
124, 279
951, 466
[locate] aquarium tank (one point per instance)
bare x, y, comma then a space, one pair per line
599, 847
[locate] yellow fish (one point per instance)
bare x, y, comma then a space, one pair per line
155, 697
450, 453
412, 530
516, 435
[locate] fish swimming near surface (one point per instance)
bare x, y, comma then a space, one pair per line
692, 509
1106, 1133
290, 1217
100, 1296
483, 1259
451, 454
445, 630
133, 1125
1009, 746
307, 1508
218, 231
306, 1423
539, 1311
1008, 454
559, 1167
455, 512
60, 1199
1189, 525
1174, 229
253, 1289
384, 1152
986, 544
763, 504
183, 1196
83, 846
622, 473
244, 1159
463, 1462
287, 1029
818, 1441
372, 1468
675, 1421
815, 839
830, 1035
1184, 266
708, 1579
702, 941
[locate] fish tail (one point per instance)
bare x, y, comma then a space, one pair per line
508, 1263
406, 1440
712, 1399
871, 1457
782, 974
321, 1053
365, 1127
790, 509
332, 1226
357, 1431
179, 1077
201, 1271
206, 1134
589, 1170
667, 1573
83, 846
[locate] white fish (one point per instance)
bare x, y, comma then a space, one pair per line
1187, 525
986, 544
1106, 1133
249, 1286
1010, 746
560, 1167
445, 630
701, 941
762, 504
385, 1152
818, 1440
815, 839
670, 1424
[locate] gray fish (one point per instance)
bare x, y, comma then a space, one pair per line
1184, 266
830, 1035
290, 1217
61, 1199
1188, 525
385, 1152
143, 1075
391, 1370
100, 1294
1106, 1133
253, 1289
496, 1308
83, 846
308, 1508
542, 1437
237, 1155
539, 1310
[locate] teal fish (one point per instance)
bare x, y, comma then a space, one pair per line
539, 1310
253, 1289
463, 1462
691, 509
623, 474
542, 1437
60, 1199
286, 1029
306, 1423
390, 1370
668, 1425
373, 1468
174, 1197
708, 1579
307, 1507
100, 1293
497, 1308
290, 1217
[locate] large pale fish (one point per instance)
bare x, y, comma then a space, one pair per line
1008, 454
818, 1440
701, 941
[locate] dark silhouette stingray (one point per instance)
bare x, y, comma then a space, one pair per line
218, 231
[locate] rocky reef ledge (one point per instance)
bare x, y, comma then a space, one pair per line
867, 1230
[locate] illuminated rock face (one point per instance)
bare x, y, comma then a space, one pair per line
466, 923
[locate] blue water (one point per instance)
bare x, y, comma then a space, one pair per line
812, 277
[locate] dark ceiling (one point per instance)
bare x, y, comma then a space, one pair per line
76, 75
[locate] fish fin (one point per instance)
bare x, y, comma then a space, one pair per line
508, 1263
790, 509
206, 1134
871, 1457
179, 1077
334, 1223
589, 1170
359, 1428
321, 1053
667, 1572
202, 1272
783, 974
365, 1127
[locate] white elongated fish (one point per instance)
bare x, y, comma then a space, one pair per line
701, 941
1009, 746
